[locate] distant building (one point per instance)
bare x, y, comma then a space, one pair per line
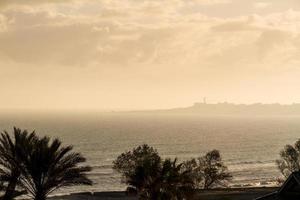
290, 190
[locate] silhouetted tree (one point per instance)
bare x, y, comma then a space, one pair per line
213, 169
138, 167
289, 159
10, 150
209, 171
192, 166
49, 166
153, 179
175, 182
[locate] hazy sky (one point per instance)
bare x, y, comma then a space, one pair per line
136, 54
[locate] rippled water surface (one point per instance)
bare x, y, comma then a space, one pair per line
249, 145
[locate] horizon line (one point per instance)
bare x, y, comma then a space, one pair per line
111, 110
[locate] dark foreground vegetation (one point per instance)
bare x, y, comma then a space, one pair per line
289, 161
37, 166
150, 177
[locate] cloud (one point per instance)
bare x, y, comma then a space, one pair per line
208, 2
133, 36
262, 5
235, 25
3, 23
12, 3
126, 46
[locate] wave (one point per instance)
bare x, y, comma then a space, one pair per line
107, 166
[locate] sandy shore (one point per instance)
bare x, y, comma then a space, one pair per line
215, 194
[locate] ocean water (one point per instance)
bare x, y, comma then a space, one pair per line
249, 145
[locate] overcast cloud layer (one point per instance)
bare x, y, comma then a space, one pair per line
136, 54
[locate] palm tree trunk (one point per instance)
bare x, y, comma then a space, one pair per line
10, 190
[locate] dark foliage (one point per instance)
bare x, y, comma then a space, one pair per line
209, 171
289, 159
215, 173
175, 182
38, 165
145, 172
138, 167
10, 152
49, 166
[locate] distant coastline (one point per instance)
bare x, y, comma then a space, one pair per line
225, 108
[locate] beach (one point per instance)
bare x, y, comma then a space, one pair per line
213, 194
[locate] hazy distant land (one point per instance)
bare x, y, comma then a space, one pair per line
232, 109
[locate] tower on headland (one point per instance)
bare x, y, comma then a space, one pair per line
197, 104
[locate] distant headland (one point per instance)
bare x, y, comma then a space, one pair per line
234, 109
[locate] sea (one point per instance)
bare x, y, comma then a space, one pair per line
249, 145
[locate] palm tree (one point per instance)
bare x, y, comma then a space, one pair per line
170, 182
49, 166
142, 177
174, 182
10, 150
138, 168
151, 178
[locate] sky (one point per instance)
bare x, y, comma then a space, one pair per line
147, 54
